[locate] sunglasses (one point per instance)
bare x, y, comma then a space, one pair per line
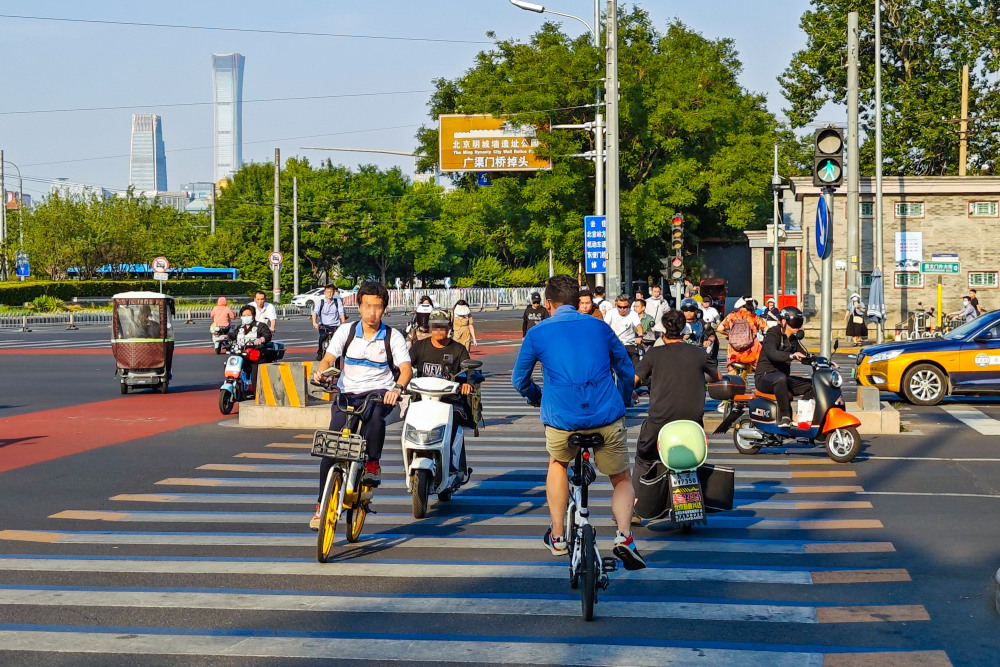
625, 307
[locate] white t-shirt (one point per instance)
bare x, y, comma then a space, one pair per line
365, 365
604, 306
711, 316
655, 307
623, 325
265, 313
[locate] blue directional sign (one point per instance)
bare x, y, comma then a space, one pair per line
824, 242
22, 268
595, 244
484, 180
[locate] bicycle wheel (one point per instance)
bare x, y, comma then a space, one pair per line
588, 561
328, 516
356, 521
570, 532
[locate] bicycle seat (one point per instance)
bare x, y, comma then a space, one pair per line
587, 440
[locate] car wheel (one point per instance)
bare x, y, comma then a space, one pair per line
925, 384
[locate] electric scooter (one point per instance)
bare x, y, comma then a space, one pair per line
220, 339
238, 385
759, 428
433, 444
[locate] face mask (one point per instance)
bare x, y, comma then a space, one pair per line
246, 319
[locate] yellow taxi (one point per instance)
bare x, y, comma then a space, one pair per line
963, 361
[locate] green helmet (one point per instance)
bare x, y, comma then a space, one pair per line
439, 318
682, 445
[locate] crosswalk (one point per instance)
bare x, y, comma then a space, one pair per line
217, 562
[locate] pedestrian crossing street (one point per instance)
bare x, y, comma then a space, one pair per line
218, 562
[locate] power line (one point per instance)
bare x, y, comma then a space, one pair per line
298, 33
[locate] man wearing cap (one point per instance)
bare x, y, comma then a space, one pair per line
533, 314
327, 316
441, 356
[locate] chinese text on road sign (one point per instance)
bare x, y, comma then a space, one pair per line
595, 243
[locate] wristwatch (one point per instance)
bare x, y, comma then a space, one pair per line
399, 387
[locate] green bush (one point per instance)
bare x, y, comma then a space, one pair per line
47, 304
488, 272
16, 294
523, 277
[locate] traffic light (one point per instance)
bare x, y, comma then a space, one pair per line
828, 157
677, 232
677, 269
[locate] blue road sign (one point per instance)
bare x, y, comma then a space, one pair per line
22, 268
824, 242
595, 244
484, 180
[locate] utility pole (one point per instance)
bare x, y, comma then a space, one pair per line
613, 204
776, 257
277, 218
853, 172
826, 315
212, 208
598, 138
963, 131
3, 223
295, 233
879, 231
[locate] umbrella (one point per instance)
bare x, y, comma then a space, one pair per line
876, 298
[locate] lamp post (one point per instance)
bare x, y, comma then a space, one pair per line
879, 231
599, 136
20, 207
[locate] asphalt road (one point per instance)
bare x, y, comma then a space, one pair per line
188, 545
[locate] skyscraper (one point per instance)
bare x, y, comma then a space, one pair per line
227, 79
148, 162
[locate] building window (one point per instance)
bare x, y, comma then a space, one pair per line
982, 209
867, 209
906, 280
983, 279
909, 209
866, 279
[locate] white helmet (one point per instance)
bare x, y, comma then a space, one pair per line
739, 303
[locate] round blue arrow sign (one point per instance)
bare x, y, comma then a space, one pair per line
824, 242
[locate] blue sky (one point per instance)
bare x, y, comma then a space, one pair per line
55, 65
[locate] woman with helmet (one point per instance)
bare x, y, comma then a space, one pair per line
742, 327
782, 347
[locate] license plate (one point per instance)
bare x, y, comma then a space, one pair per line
683, 478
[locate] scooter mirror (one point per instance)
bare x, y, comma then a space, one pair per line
799, 335
471, 365
836, 345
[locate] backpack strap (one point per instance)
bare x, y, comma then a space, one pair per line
388, 344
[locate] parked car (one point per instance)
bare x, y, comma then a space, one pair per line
308, 299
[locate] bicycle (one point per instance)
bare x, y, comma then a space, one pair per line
588, 571
343, 490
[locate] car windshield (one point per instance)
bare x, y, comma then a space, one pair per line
964, 330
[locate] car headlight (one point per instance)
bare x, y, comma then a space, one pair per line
836, 379
418, 437
885, 356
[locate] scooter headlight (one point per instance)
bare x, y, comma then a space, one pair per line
836, 379
418, 437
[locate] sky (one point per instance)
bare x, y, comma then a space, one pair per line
74, 65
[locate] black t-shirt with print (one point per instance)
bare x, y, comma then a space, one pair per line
443, 362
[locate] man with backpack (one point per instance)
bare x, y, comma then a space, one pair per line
327, 316
376, 360
742, 327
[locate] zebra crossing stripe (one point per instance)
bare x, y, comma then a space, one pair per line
462, 520
653, 544
635, 607
430, 569
431, 648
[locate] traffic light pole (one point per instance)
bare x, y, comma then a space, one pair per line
613, 282
826, 314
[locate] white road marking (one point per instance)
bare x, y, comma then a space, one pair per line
975, 419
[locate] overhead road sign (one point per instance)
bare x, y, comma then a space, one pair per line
595, 244
483, 143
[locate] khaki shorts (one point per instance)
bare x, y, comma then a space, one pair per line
611, 459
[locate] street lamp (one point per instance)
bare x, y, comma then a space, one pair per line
3, 213
599, 135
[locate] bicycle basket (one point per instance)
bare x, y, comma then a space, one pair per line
336, 445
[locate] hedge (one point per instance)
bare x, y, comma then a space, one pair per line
16, 294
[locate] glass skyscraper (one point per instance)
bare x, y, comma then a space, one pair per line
227, 79
148, 162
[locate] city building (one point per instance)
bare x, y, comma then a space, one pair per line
198, 189
227, 95
67, 189
147, 162
937, 230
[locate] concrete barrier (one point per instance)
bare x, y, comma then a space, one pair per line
286, 385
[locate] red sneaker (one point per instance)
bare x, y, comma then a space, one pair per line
373, 473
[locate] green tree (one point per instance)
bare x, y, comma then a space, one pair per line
925, 43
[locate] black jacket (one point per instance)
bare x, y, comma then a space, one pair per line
255, 330
777, 351
532, 316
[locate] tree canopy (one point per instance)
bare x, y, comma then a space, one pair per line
925, 43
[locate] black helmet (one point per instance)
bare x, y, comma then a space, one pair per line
792, 316
690, 306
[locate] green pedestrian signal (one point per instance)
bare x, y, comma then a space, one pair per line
828, 157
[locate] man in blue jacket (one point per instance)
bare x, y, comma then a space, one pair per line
581, 360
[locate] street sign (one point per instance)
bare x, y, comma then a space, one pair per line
161, 276
275, 258
941, 267
823, 240
160, 265
23, 269
595, 244
482, 143
484, 180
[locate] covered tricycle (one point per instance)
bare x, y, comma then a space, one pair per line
142, 339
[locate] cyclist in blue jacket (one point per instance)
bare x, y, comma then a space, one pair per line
588, 383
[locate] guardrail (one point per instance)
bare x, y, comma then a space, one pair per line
478, 298
73, 318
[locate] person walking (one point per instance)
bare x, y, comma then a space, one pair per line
533, 314
857, 328
584, 393
463, 329
656, 306
771, 312
625, 323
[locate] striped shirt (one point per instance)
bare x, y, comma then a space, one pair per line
365, 365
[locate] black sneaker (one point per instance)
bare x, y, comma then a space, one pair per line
627, 553
785, 422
